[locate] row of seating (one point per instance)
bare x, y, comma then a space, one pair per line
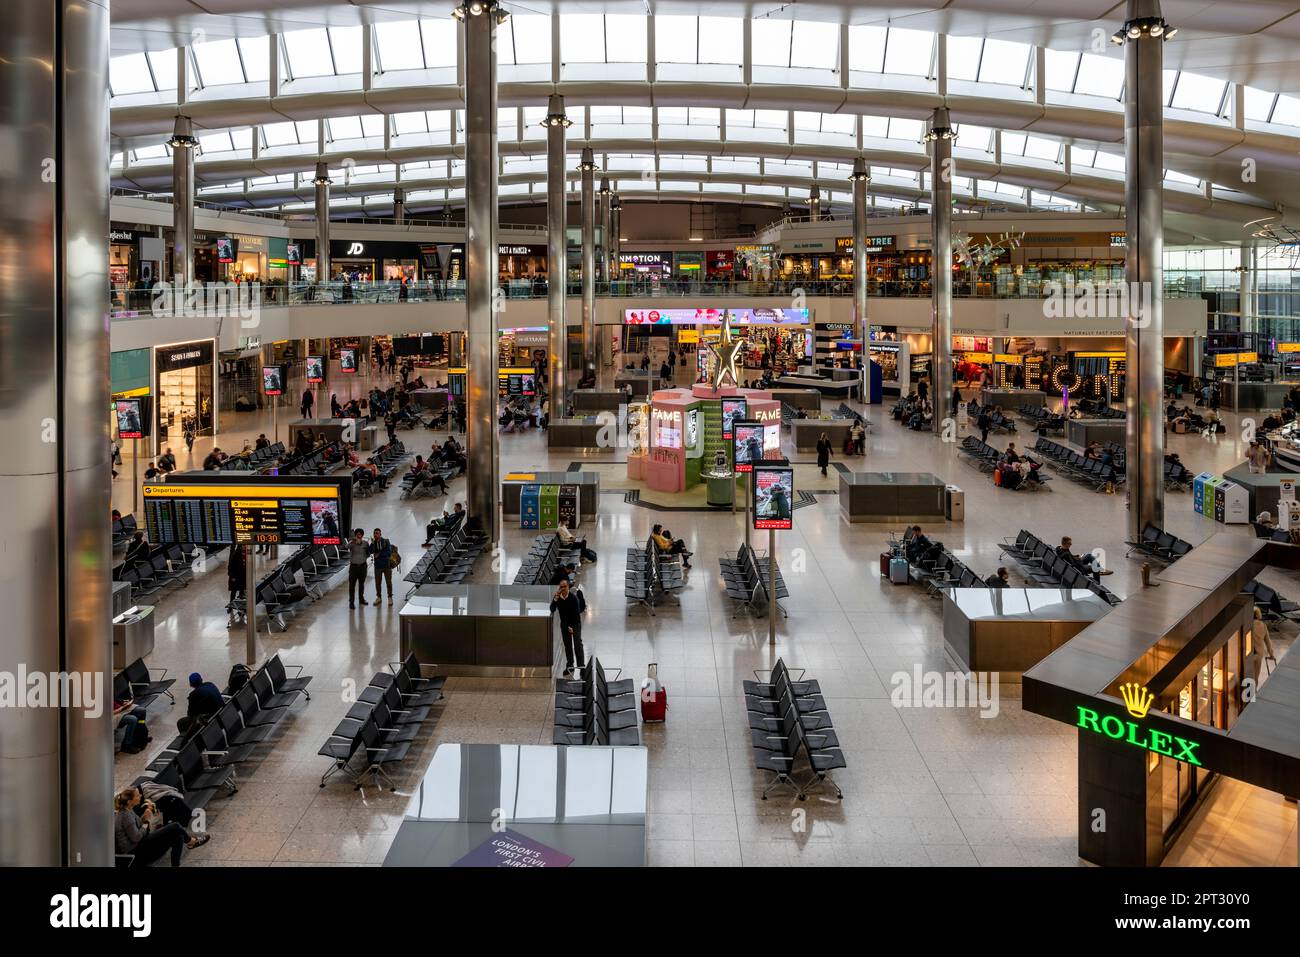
202, 764
266, 455
936, 568
136, 683
123, 529
651, 576
787, 717
746, 578
383, 723
845, 412
544, 558
318, 461
1074, 465
303, 576
433, 478
1045, 567
449, 560
1271, 605
1099, 409
998, 421
1159, 544
1042, 419
385, 460
590, 709
165, 565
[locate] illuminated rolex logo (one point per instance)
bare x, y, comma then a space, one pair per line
1130, 732
1136, 699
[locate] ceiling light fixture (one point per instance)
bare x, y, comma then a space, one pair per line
1154, 27
182, 134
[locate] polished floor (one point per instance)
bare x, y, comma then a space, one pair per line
940, 786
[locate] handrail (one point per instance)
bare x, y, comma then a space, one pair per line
128, 303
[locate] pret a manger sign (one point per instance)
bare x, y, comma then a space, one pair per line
1138, 700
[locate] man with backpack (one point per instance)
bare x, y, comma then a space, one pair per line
386, 558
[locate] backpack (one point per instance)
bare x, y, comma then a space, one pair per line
394, 557
582, 602
137, 739
240, 675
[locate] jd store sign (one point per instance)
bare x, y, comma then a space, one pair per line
1137, 701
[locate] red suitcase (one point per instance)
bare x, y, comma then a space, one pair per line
884, 563
654, 705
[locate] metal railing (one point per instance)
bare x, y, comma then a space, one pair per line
128, 303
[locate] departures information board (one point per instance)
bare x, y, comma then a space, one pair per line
216, 515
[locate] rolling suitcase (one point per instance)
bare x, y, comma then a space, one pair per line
898, 571
654, 697
885, 558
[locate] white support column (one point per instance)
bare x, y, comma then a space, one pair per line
273, 65
182, 76
1040, 76
367, 51
555, 48
941, 64
747, 61
844, 56
650, 49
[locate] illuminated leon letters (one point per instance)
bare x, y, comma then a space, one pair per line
1130, 732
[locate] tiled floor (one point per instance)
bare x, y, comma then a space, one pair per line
923, 787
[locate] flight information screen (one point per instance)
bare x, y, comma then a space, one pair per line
217, 515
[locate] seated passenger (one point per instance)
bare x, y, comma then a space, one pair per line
167, 462
139, 829
999, 579
563, 573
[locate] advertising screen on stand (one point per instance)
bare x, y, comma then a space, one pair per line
130, 419
315, 369
773, 487
755, 442
348, 360
273, 380
732, 409
227, 249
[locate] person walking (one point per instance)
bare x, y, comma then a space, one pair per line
308, 400
382, 551
569, 605
236, 582
358, 552
823, 452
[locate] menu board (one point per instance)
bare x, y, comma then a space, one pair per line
218, 515
773, 487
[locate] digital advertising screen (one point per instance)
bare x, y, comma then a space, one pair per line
226, 513
273, 380
768, 317
293, 254
315, 369
673, 317
348, 360
773, 487
732, 409
667, 428
227, 249
747, 445
130, 418
692, 427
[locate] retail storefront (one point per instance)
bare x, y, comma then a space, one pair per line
719, 264
635, 265
516, 261
184, 383
755, 262
688, 265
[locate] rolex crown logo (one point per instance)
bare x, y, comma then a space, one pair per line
1136, 699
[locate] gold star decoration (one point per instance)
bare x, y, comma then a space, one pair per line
725, 354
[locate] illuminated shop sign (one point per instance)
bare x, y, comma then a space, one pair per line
845, 243
1137, 701
714, 317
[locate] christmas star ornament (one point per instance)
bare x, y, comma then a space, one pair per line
726, 352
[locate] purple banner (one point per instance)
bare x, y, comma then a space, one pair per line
512, 849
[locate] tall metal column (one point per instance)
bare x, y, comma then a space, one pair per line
480, 19
814, 204
940, 138
615, 225
557, 254
1143, 35
56, 761
588, 168
860, 178
322, 184
399, 204
603, 215
182, 144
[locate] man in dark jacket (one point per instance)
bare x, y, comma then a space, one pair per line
381, 549
568, 604
205, 698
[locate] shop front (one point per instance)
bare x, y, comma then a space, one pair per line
805, 260
1168, 698
755, 262
688, 265
520, 262
720, 265
644, 265
184, 383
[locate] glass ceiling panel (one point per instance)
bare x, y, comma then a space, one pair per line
1286, 111
1039, 148
256, 54
972, 137
908, 52
344, 128
1108, 161
771, 42
582, 38
875, 126
815, 45
164, 68
1080, 156
1061, 67
1013, 144
1004, 62
904, 129
1100, 76
399, 45
279, 134
1258, 103
1197, 92
676, 39
525, 38
309, 53
130, 74
218, 62
346, 42
724, 40
964, 57
625, 38
439, 38
215, 142
867, 48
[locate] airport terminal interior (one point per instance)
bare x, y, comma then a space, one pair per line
652, 433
